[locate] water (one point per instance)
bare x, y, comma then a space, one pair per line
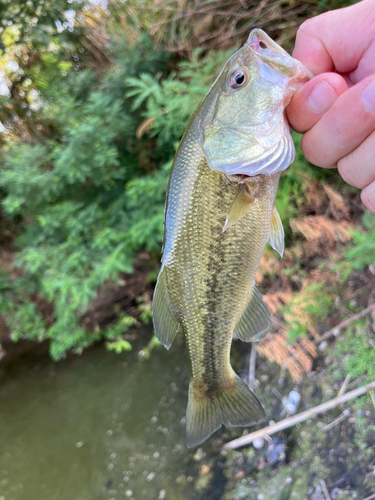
98, 426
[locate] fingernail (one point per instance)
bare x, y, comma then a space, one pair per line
322, 97
368, 97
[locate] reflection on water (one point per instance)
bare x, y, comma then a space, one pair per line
99, 426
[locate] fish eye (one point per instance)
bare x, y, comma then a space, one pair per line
238, 78
263, 45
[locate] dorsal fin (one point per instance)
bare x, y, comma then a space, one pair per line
166, 325
276, 239
240, 206
256, 319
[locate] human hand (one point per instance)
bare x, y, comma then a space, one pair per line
336, 109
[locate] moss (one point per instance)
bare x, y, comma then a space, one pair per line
354, 354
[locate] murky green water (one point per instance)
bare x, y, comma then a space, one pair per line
99, 426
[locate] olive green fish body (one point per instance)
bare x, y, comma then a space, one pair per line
218, 219
212, 272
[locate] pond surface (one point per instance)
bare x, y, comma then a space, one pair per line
96, 426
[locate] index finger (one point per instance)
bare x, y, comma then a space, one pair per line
338, 40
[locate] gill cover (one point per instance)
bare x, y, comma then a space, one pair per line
261, 79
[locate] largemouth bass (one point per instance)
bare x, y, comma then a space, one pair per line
219, 215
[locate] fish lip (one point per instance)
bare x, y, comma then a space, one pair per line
257, 36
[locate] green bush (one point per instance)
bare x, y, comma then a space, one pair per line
362, 253
82, 195
84, 164
85, 193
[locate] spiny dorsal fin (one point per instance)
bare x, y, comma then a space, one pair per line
277, 232
240, 206
165, 324
256, 319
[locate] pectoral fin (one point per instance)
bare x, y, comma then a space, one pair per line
277, 233
240, 206
166, 325
256, 319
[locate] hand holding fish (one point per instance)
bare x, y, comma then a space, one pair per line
336, 109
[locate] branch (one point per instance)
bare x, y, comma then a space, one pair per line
324, 488
336, 330
296, 419
252, 363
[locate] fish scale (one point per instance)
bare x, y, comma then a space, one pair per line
219, 215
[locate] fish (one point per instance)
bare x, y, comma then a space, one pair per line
219, 214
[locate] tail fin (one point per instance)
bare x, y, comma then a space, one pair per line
235, 406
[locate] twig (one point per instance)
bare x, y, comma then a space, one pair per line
337, 420
372, 397
356, 381
277, 394
324, 488
336, 330
301, 417
370, 498
252, 363
344, 385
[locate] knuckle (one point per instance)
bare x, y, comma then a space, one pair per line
311, 26
308, 27
318, 146
311, 150
368, 197
334, 127
348, 169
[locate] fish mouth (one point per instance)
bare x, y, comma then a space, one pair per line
263, 47
260, 43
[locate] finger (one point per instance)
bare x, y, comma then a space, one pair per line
344, 127
368, 197
358, 167
336, 40
366, 65
313, 100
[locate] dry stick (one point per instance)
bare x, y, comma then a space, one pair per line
344, 385
336, 330
372, 397
296, 419
252, 363
337, 420
324, 488
370, 498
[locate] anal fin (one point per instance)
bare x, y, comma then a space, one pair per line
277, 232
255, 322
166, 325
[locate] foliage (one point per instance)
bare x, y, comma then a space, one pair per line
83, 192
292, 186
354, 354
114, 334
306, 308
170, 101
119, 346
92, 118
182, 25
362, 253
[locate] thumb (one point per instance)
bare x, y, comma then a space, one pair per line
310, 103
